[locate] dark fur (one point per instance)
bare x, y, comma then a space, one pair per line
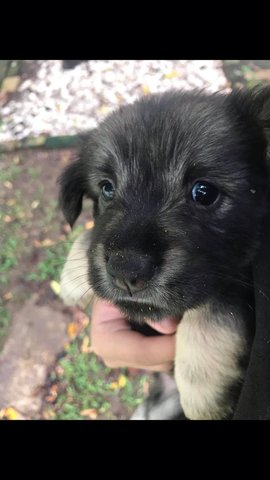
154, 151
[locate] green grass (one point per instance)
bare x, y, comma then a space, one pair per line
8, 256
33, 172
10, 174
50, 267
85, 383
4, 321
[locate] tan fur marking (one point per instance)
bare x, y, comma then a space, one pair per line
207, 363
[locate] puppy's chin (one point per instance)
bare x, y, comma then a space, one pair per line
141, 310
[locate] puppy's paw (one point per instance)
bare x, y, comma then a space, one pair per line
74, 282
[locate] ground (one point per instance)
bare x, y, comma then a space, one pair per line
47, 369
34, 242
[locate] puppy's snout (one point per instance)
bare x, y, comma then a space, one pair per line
130, 271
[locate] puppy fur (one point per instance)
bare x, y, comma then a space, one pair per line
153, 153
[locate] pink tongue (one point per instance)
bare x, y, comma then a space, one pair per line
167, 325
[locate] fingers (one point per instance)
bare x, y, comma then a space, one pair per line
167, 326
119, 346
165, 367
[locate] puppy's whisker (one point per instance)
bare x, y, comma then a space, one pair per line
72, 279
79, 286
88, 290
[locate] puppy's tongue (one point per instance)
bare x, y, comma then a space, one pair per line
167, 325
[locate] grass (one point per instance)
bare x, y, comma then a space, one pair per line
84, 383
4, 321
50, 267
10, 174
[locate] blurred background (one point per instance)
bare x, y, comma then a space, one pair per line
47, 369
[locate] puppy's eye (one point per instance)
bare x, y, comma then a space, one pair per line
107, 190
204, 193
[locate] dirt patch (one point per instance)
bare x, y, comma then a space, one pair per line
36, 336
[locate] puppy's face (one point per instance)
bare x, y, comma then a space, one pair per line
179, 185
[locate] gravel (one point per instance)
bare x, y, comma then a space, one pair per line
64, 102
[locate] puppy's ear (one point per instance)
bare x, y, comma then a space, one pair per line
73, 182
254, 104
72, 190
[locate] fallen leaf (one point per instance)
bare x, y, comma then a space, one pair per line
10, 413
146, 90
8, 184
16, 160
122, 381
55, 286
104, 110
10, 84
172, 74
47, 242
85, 347
35, 204
49, 398
8, 219
89, 412
89, 225
53, 392
11, 202
72, 330
7, 296
114, 385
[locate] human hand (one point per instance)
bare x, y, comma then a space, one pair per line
119, 346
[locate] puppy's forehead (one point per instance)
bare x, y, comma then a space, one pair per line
167, 131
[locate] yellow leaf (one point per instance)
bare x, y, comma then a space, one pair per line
55, 286
11, 414
47, 242
172, 74
8, 185
114, 385
89, 225
146, 90
72, 330
7, 296
89, 412
85, 345
11, 202
10, 84
104, 110
7, 219
16, 160
122, 381
35, 204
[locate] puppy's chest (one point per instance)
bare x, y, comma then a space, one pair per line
208, 362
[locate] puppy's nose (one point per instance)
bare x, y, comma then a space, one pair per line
130, 271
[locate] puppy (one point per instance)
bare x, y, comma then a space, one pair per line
179, 183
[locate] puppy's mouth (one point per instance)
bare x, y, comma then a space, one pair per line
142, 312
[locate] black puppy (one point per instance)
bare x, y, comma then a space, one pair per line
179, 183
